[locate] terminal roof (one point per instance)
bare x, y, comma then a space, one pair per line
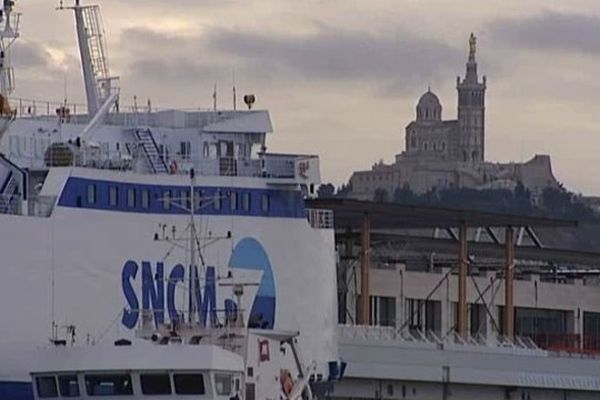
348, 213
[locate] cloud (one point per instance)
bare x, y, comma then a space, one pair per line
552, 31
341, 55
30, 55
390, 61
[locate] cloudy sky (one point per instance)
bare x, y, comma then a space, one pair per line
342, 77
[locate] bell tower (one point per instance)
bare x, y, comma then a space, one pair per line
469, 144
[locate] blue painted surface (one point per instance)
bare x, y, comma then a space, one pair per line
16, 391
282, 203
249, 254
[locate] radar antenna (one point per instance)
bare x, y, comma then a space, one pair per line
99, 84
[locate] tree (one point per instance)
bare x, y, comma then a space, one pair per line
326, 190
381, 195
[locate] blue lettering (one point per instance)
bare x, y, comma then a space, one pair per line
177, 275
130, 314
210, 300
153, 291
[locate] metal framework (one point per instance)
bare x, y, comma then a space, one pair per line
376, 220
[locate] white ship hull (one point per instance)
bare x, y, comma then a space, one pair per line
71, 266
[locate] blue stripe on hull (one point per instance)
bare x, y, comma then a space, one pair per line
280, 203
16, 391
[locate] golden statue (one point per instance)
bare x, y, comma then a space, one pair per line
472, 46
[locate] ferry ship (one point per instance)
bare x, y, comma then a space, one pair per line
92, 215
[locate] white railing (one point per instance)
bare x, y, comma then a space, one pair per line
320, 219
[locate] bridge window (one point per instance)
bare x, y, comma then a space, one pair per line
155, 384
145, 198
46, 387
108, 385
264, 203
113, 196
246, 201
223, 384
92, 194
189, 383
68, 385
131, 198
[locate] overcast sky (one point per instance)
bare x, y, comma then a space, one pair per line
342, 77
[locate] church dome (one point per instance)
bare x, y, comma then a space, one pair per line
429, 107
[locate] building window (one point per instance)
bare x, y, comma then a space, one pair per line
91, 194
166, 200
246, 201
264, 203
383, 310
145, 198
423, 315
113, 196
131, 198
233, 200
413, 142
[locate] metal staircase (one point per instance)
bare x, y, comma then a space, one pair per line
9, 195
146, 141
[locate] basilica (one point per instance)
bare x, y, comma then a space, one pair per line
442, 154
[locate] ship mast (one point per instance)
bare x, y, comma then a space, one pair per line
9, 32
99, 84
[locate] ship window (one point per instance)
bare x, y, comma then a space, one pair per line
185, 149
189, 383
131, 198
108, 385
218, 200
145, 198
113, 196
223, 384
198, 200
233, 200
264, 203
246, 201
166, 200
68, 386
185, 199
156, 384
46, 387
91, 194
